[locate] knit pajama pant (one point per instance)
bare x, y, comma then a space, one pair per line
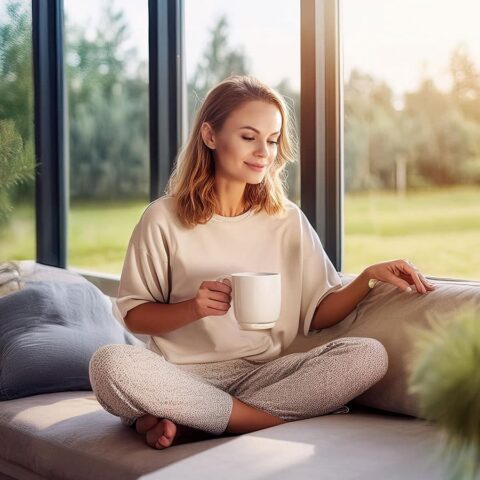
130, 381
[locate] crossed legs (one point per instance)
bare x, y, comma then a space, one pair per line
170, 406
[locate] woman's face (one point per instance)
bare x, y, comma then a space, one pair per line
246, 145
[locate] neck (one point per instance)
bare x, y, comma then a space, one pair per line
230, 199
232, 210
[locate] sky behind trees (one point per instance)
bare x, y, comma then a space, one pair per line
398, 42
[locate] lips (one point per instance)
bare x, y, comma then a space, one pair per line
256, 165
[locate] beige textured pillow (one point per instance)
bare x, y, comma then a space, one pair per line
386, 314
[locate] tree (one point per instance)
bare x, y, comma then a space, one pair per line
435, 136
465, 83
218, 62
440, 139
16, 106
16, 165
108, 112
16, 85
373, 137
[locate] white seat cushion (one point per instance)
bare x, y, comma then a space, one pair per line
69, 435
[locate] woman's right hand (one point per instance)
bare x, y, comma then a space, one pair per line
212, 299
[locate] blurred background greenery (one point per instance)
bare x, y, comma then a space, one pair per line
412, 173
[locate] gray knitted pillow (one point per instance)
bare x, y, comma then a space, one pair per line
48, 333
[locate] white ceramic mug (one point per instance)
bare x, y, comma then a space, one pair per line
256, 297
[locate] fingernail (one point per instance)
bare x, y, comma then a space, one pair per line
408, 289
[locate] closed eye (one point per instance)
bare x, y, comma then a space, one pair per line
249, 139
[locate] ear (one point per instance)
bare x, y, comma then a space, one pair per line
207, 135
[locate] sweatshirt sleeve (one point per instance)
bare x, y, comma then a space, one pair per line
319, 277
144, 275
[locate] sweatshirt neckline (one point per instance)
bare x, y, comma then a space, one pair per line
237, 218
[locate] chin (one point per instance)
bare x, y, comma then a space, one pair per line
255, 181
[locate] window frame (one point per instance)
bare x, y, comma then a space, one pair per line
165, 44
321, 130
51, 201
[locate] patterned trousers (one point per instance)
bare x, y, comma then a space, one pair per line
130, 381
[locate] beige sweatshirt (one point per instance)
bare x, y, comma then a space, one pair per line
166, 262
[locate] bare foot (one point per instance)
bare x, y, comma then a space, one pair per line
162, 435
145, 423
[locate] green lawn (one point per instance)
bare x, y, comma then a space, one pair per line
438, 230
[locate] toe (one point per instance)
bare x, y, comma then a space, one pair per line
169, 429
161, 435
164, 442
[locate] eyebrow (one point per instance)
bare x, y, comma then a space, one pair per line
255, 130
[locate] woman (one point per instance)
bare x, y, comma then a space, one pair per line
226, 211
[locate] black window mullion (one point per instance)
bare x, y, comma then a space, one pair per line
165, 89
333, 135
50, 187
308, 111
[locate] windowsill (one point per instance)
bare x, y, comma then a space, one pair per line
430, 277
108, 283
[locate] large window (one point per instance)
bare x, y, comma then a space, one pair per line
249, 37
106, 74
411, 124
17, 214
412, 134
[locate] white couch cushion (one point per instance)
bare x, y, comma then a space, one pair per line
69, 435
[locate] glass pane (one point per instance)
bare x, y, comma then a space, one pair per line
17, 158
222, 38
106, 56
412, 135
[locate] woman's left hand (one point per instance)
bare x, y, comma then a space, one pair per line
401, 273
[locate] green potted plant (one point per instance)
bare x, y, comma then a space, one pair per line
444, 373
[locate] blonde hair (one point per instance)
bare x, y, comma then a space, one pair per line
193, 178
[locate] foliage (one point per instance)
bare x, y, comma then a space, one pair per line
16, 95
444, 374
433, 136
16, 165
436, 134
16, 86
219, 61
108, 111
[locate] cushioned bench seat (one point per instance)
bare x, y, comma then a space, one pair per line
69, 435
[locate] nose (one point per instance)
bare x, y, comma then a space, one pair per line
262, 150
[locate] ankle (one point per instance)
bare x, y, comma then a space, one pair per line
245, 419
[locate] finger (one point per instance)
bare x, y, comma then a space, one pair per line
218, 287
399, 283
219, 296
412, 270
408, 278
428, 285
218, 306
